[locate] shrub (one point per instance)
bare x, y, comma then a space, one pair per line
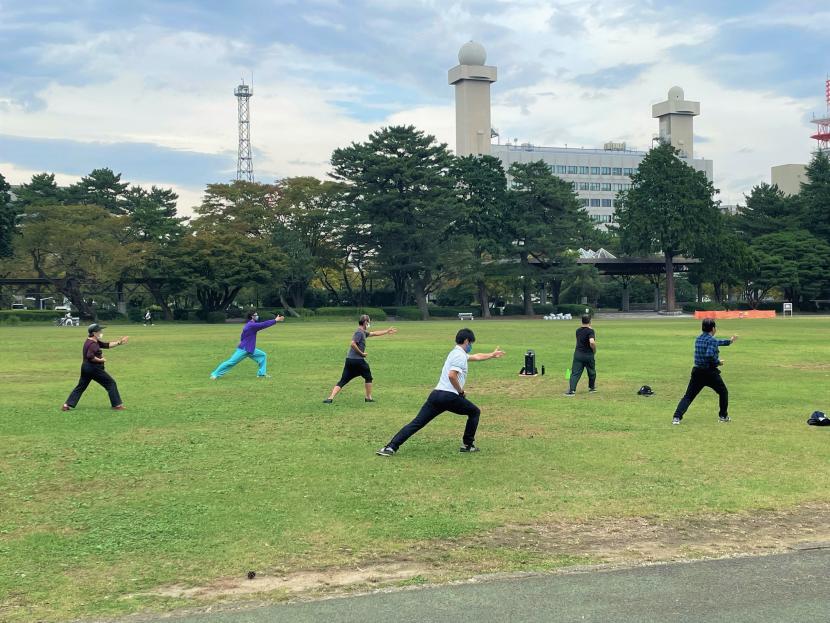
215, 317
30, 315
181, 314
135, 314
350, 312
108, 314
691, 308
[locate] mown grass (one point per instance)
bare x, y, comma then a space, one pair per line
199, 480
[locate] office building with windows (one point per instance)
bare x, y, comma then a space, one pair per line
598, 175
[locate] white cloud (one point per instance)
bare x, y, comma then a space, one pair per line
174, 88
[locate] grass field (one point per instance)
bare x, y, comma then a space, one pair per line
200, 480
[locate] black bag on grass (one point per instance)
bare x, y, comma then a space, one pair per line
818, 419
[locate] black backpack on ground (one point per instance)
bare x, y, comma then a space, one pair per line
818, 419
645, 390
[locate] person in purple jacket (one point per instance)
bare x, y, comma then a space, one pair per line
247, 347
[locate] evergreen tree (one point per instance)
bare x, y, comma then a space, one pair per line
815, 196
401, 206
670, 209
8, 219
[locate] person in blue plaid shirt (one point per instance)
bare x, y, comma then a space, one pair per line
706, 373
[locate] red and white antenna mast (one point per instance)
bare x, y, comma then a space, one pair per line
822, 135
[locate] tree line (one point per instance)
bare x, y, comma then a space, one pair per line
402, 213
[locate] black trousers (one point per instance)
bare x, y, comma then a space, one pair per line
583, 361
354, 368
92, 372
704, 377
438, 402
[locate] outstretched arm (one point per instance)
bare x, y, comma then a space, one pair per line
485, 356
389, 331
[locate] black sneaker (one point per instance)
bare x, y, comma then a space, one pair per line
328, 401
385, 451
675, 420
569, 393
368, 400
592, 390
471, 448
724, 418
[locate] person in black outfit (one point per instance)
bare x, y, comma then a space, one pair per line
586, 347
356, 364
92, 369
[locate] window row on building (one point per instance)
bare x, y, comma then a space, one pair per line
596, 203
602, 218
561, 169
601, 186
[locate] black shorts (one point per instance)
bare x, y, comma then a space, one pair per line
353, 369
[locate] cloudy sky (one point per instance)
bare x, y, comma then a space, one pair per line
146, 86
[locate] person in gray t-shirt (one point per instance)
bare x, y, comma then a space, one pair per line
356, 364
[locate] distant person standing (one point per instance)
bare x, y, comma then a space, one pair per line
448, 395
92, 369
356, 364
247, 347
586, 348
705, 372
148, 318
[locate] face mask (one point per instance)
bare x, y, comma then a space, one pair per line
101, 336
255, 318
368, 325
468, 348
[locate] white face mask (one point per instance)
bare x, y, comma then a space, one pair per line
101, 336
368, 326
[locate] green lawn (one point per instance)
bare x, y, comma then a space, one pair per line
200, 480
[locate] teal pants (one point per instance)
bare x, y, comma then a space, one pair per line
238, 355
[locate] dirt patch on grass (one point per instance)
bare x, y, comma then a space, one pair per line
603, 542
643, 540
295, 583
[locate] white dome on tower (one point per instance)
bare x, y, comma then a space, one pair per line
472, 53
676, 93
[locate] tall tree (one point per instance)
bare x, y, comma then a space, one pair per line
8, 219
153, 224
305, 229
81, 249
767, 211
102, 187
670, 208
401, 205
724, 258
546, 222
43, 189
807, 259
815, 196
481, 184
229, 243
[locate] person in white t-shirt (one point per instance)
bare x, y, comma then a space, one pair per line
448, 395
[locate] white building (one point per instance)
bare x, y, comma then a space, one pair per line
597, 174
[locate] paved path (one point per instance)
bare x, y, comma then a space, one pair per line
783, 588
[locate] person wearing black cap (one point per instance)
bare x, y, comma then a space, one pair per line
705, 372
92, 369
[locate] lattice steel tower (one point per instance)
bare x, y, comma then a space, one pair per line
244, 164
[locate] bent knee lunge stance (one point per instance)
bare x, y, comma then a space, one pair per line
92, 369
247, 347
356, 364
448, 395
706, 373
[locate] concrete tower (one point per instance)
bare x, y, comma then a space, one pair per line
472, 80
676, 117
